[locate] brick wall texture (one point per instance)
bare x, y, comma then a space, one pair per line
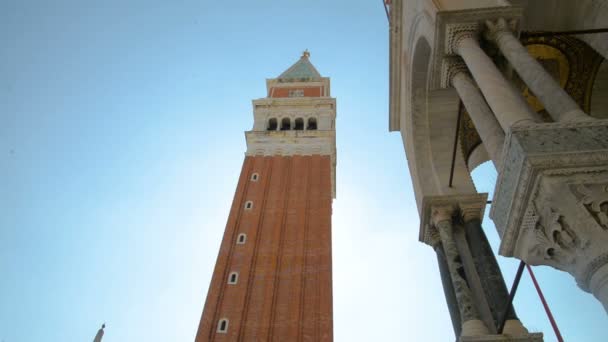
284, 288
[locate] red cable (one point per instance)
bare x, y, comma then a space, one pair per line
547, 310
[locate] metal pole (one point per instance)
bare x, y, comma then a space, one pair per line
454, 150
386, 10
520, 270
547, 310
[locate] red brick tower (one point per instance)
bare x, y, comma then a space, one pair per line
272, 280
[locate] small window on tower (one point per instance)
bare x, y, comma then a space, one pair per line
285, 124
299, 124
272, 124
222, 326
312, 124
241, 239
255, 177
296, 92
233, 278
248, 205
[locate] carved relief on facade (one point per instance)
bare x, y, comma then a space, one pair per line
595, 200
565, 225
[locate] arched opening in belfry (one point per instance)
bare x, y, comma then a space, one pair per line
299, 124
272, 124
285, 124
312, 124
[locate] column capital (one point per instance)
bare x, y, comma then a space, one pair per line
501, 25
451, 67
471, 210
438, 209
451, 27
457, 32
441, 213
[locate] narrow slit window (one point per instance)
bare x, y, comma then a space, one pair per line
248, 205
285, 124
222, 326
312, 124
241, 239
233, 278
255, 177
299, 124
272, 124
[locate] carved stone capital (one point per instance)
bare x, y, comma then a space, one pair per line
501, 25
436, 209
551, 200
453, 26
451, 67
442, 212
457, 32
472, 210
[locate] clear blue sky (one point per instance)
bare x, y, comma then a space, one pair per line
121, 141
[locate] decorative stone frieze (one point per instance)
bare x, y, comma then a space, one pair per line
551, 200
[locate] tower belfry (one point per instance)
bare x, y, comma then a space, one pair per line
273, 276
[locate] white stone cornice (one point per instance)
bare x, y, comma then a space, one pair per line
432, 207
452, 26
294, 101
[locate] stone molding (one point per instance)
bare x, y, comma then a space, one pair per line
434, 209
453, 26
550, 204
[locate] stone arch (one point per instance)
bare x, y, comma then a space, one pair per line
414, 128
428, 128
285, 124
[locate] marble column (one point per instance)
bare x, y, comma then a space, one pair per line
472, 325
492, 135
558, 103
448, 290
509, 107
493, 284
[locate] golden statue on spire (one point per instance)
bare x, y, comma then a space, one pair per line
305, 54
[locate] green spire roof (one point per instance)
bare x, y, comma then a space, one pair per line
302, 70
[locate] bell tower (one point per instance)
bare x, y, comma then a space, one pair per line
273, 276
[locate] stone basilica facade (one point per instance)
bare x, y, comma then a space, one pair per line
523, 84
